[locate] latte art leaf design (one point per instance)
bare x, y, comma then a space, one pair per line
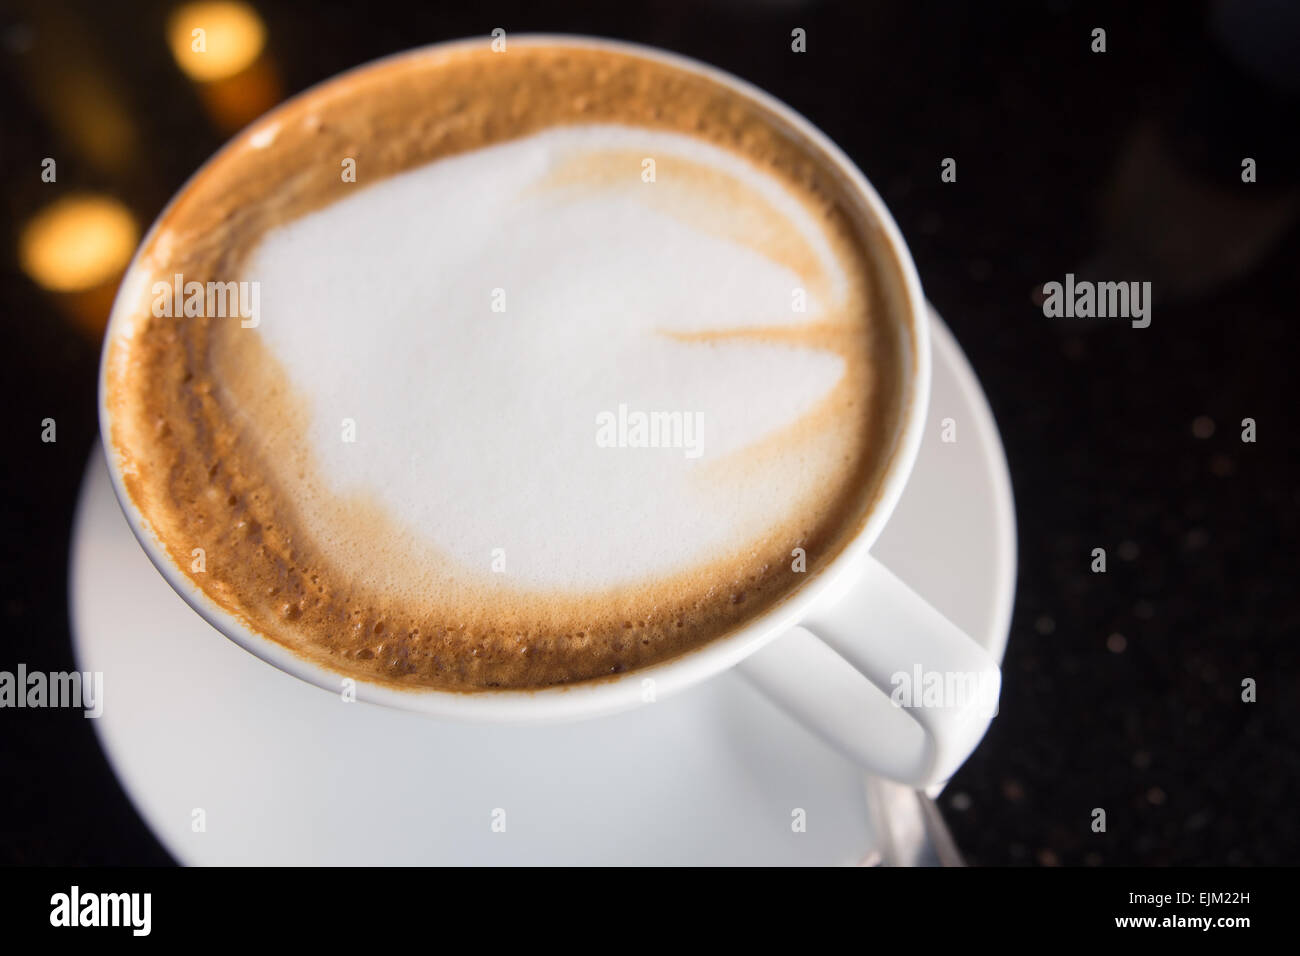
571, 292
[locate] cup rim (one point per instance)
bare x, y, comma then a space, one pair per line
610, 694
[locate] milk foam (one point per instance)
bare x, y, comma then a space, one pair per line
476, 430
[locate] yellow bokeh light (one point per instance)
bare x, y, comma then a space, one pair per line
215, 40
78, 242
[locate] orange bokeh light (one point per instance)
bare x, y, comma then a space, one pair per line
215, 40
78, 242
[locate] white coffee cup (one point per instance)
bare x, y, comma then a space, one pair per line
841, 653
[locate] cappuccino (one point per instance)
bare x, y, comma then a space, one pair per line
567, 361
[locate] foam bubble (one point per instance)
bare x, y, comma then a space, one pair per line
264, 137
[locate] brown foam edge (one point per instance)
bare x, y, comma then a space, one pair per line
182, 470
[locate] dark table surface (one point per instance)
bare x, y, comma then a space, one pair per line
1122, 690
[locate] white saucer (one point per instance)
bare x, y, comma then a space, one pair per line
285, 773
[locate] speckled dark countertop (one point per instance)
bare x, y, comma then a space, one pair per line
1123, 689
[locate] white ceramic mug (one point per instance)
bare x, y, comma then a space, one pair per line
833, 653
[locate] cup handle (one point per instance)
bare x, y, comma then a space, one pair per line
883, 678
